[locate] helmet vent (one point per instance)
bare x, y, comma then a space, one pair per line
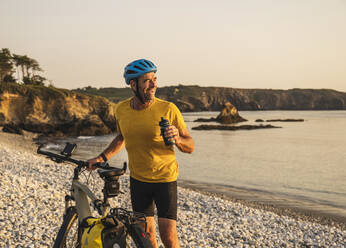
137, 67
143, 64
147, 62
131, 72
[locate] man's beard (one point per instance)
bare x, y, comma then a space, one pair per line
147, 97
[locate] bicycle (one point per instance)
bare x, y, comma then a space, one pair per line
77, 206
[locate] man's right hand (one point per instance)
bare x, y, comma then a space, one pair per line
93, 161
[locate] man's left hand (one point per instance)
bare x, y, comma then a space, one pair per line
172, 133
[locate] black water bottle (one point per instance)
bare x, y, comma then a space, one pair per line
164, 123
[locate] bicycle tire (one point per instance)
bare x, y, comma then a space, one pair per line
68, 227
139, 237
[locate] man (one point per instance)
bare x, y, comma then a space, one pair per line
153, 166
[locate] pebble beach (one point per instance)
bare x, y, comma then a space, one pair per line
32, 204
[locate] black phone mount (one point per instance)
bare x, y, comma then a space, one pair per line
68, 150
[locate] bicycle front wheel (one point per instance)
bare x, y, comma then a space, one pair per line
68, 234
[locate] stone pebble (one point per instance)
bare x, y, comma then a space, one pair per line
32, 204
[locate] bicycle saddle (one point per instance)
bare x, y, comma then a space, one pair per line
110, 172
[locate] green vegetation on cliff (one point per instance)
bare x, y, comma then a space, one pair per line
112, 94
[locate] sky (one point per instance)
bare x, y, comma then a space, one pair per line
267, 44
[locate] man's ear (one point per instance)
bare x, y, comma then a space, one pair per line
133, 85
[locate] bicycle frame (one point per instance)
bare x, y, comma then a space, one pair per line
80, 193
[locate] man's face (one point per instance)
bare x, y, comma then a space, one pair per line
147, 86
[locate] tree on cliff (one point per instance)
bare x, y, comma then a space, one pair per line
6, 65
35, 79
29, 68
19, 63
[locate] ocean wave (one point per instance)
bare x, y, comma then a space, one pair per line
85, 137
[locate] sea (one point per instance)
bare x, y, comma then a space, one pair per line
301, 165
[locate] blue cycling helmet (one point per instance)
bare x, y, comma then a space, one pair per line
137, 68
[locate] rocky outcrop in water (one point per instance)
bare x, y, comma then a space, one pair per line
232, 128
285, 120
281, 120
52, 111
228, 115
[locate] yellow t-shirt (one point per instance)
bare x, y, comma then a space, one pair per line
150, 160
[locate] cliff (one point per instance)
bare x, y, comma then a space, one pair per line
195, 98
53, 111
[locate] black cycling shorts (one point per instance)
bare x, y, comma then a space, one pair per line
164, 195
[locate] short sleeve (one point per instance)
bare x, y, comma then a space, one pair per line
176, 117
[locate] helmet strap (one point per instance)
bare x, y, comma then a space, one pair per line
137, 92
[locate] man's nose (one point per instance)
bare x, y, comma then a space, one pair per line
153, 83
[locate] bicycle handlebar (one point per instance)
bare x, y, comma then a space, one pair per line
61, 158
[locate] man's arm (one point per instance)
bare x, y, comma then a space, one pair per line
183, 139
114, 147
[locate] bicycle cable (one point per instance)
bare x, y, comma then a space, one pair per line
94, 182
88, 178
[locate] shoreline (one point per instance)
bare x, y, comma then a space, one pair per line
23, 142
267, 202
254, 199
33, 192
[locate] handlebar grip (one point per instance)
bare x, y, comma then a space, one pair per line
103, 165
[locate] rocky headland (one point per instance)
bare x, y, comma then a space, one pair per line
52, 111
193, 98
